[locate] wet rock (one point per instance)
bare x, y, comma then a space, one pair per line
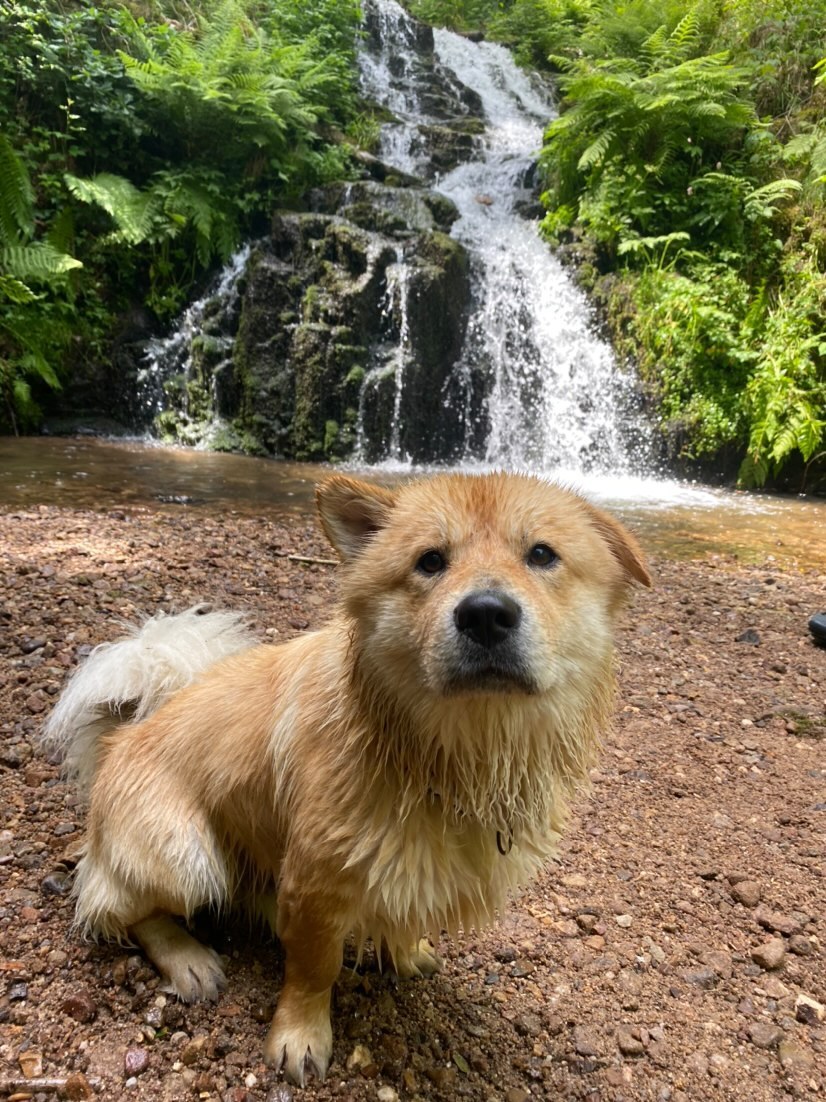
770, 955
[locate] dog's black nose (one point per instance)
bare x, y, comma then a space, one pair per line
487, 617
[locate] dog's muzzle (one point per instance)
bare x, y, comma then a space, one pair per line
489, 656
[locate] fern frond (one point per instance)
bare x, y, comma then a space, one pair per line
16, 196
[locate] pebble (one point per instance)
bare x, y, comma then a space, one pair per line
80, 1006
770, 955
624, 921
629, 1043
360, 1057
765, 1035
281, 1093
809, 1010
136, 1061
516, 1094
387, 1094
800, 945
778, 923
586, 1041
747, 892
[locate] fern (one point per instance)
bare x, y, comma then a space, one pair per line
16, 195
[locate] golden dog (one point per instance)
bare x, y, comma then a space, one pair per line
399, 771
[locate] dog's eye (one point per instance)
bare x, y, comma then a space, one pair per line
431, 562
542, 555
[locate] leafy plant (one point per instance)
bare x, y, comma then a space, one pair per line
32, 276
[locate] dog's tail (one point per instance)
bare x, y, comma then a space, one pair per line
127, 680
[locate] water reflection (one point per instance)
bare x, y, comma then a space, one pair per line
671, 518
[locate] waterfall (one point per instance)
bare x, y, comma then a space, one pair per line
206, 324
554, 398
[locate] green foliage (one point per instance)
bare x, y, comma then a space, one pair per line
32, 280
150, 144
661, 159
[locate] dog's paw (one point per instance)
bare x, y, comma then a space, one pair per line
421, 960
299, 1050
195, 975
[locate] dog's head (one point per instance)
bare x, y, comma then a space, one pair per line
476, 585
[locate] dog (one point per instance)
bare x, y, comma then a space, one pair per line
400, 771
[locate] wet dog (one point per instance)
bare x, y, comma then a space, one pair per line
398, 772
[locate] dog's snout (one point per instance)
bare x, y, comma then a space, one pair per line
487, 617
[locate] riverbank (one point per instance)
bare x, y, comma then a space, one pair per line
638, 967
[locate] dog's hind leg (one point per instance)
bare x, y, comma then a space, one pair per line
189, 969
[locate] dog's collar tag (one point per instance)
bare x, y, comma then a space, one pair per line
502, 845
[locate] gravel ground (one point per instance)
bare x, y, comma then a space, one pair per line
675, 950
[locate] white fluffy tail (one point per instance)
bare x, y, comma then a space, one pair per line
129, 679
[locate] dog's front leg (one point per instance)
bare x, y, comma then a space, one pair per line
300, 1039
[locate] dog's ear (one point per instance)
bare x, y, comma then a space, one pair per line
351, 512
623, 545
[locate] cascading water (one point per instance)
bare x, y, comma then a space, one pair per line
205, 321
553, 397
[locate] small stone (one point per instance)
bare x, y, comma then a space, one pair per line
719, 961
794, 1057
800, 945
18, 992
443, 1079
191, 1051
387, 1094
619, 1076
586, 1041
777, 922
31, 1064
80, 1006
529, 1025
136, 1061
770, 955
765, 1035
587, 922
360, 1057
281, 1093
808, 1010
624, 921
701, 977
747, 892
516, 1094
628, 1043
775, 988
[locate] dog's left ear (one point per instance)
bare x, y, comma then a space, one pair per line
623, 545
351, 512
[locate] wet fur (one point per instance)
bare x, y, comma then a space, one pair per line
362, 778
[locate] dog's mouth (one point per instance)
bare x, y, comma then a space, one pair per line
495, 677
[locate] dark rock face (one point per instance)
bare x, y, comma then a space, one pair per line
320, 313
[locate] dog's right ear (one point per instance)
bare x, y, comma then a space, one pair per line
351, 512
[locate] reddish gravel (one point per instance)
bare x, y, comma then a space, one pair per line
675, 951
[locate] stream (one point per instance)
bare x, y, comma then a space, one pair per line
673, 519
